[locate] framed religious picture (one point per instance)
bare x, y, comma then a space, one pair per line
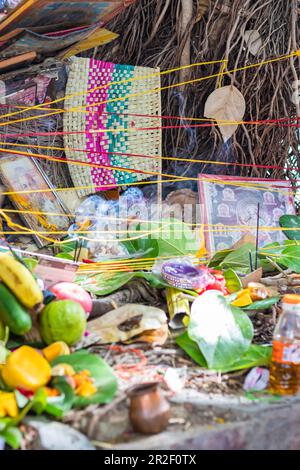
229, 209
42, 210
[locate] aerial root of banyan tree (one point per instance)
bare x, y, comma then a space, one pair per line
174, 33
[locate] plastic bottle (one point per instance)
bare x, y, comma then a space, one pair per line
285, 364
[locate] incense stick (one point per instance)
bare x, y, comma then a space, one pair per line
79, 249
250, 259
75, 250
257, 234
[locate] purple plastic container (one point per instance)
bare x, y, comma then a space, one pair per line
184, 275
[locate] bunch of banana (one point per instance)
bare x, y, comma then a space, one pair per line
20, 281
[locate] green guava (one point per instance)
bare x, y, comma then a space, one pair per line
62, 320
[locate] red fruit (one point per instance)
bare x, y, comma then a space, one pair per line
70, 291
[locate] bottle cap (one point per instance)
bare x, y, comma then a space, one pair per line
291, 299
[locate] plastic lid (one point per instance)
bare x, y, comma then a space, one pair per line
291, 299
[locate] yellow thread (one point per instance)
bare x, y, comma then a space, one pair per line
160, 157
95, 165
173, 178
154, 90
92, 90
224, 227
78, 188
131, 170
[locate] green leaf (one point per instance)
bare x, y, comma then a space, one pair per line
54, 410
255, 356
104, 284
275, 251
31, 263
222, 332
230, 298
65, 256
4, 353
267, 267
262, 304
173, 237
292, 225
143, 247
105, 380
12, 436
264, 396
290, 258
101, 284
66, 247
218, 257
67, 394
191, 348
238, 260
39, 401
5, 422
153, 279
271, 249
233, 282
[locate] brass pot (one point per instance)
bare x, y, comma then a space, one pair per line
149, 410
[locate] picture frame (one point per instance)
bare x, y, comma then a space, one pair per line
229, 202
64, 12
21, 173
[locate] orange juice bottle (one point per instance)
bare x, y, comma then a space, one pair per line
285, 364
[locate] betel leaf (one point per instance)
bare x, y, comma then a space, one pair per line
105, 380
255, 356
290, 258
290, 226
154, 279
68, 246
12, 436
266, 253
39, 401
64, 255
174, 237
143, 247
276, 248
239, 260
271, 249
104, 283
218, 257
31, 263
222, 332
191, 348
58, 406
262, 304
233, 282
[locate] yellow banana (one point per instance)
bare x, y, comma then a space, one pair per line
20, 281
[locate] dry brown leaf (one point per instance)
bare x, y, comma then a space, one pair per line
201, 10
253, 40
247, 238
227, 105
255, 276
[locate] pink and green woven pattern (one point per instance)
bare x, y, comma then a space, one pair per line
108, 104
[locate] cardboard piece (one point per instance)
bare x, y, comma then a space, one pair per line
74, 13
53, 271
